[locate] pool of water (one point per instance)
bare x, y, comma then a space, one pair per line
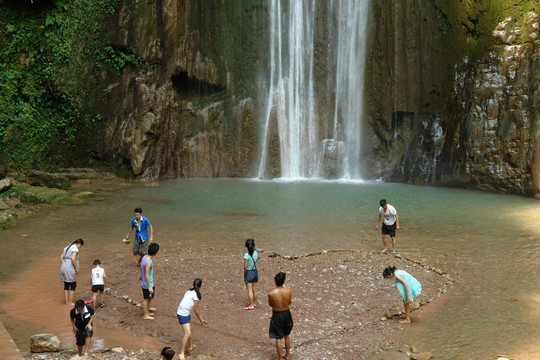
487, 242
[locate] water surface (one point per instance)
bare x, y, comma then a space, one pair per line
487, 242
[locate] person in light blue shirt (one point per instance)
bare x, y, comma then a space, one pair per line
251, 275
407, 286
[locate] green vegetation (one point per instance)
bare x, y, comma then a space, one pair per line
468, 24
118, 59
51, 53
6, 223
26, 196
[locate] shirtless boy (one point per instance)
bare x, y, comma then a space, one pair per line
281, 323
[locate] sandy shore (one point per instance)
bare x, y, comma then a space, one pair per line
342, 307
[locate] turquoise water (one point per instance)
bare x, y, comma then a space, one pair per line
487, 242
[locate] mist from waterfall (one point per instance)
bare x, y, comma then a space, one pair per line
315, 140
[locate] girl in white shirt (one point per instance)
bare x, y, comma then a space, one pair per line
190, 301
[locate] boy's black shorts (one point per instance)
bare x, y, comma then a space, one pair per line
147, 295
389, 230
82, 335
96, 288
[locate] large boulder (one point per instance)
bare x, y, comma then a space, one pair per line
40, 178
5, 185
44, 343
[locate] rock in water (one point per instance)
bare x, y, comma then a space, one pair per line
44, 343
40, 178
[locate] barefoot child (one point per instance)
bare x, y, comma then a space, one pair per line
82, 318
189, 301
281, 323
147, 280
251, 276
99, 283
408, 287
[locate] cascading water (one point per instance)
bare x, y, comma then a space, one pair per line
317, 139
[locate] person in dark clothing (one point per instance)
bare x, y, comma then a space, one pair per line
82, 318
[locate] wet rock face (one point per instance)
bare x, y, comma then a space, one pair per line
432, 116
471, 123
495, 115
189, 112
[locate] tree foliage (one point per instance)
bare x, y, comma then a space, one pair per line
49, 57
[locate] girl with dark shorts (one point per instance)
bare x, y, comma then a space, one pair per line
251, 275
69, 269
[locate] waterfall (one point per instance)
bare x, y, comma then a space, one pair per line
317, 139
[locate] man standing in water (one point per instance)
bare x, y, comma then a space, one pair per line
281, 323
141, 226
390, 224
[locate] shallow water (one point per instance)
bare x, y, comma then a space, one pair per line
487, 242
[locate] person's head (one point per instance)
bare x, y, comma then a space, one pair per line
388, 272
78, 243
79, 305
280, 278
153, 248
97, 263
138, 213
167, 353
383, 203
250, 244
197, 283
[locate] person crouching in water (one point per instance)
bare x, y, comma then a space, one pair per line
408, 287
281, 323
251, 275
189, 301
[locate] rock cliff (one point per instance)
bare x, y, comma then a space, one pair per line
451, 92
453, 95
189, 112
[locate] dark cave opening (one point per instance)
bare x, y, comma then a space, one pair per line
190, 86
